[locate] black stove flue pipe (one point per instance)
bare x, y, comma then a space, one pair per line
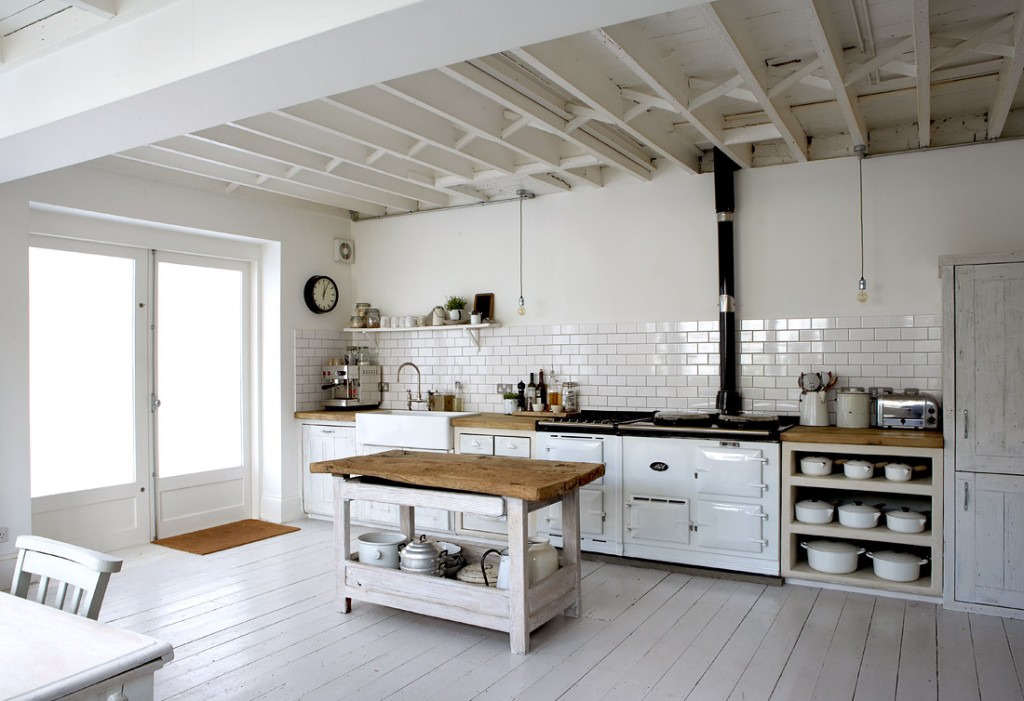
728, 400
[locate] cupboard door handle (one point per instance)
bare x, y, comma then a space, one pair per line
965, 423
967, 489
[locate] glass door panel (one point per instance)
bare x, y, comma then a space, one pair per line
88, 336
202, 374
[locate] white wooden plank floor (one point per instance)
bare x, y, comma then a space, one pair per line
259, 622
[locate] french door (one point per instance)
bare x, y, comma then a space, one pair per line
201, 392
152, 353
89, 387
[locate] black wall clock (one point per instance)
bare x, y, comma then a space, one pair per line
321, 294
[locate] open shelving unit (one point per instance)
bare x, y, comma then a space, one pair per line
878, 445
472, 331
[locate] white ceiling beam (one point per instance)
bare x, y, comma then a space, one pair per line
751, 134
556, 62
882, 59
289, 141
1009, 78
826, 43
226, 174
631, 47
139, 169
393, 112
973, 42
437, 93
987, 48
728, 27
333, 120
795, 77
101, 8
336, 168
712, 92
923, 53
180, 156
487, 84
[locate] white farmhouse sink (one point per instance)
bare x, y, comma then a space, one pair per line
423, 430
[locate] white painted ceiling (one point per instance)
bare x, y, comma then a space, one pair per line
766, 81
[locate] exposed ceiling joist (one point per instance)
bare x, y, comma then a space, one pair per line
630, 47
499, 90
728, 27
101, 8
830, 52
560, 66
1009, 78
923, 64
974, 42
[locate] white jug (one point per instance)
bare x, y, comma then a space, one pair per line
813, 409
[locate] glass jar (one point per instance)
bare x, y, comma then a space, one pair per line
373, 318
570, 397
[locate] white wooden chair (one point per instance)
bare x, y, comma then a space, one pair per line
85, 572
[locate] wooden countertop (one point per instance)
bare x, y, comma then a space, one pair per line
497, 421
522, 478
900, 438
347, 416
486, 420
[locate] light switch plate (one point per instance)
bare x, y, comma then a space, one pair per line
344, 251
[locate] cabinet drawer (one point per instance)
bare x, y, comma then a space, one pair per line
512, 446
476, 444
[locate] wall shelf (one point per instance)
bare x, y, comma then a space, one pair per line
472, 331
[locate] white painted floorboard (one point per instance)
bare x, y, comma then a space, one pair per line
260, 622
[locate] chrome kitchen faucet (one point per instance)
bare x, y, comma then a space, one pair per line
409, 401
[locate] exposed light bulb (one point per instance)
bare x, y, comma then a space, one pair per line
522, 307
862, 294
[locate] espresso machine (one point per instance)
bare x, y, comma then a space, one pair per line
352, 386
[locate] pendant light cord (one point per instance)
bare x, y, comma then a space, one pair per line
522, 195
860, 177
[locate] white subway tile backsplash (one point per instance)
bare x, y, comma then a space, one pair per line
647, 364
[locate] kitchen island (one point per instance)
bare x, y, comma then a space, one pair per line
484, 484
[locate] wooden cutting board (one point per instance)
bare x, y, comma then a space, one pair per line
523, 478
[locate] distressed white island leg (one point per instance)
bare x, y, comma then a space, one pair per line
518, 583
571, 551
342, 542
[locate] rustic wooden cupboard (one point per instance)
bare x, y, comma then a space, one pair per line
983, 381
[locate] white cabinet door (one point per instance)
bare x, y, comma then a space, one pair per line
323, 443
989, 513
989, 411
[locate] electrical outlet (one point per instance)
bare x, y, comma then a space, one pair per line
5, 534
385, 386
504, 388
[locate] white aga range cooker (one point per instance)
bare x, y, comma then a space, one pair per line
681, 487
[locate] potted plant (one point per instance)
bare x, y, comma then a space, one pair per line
456, 307
511, 401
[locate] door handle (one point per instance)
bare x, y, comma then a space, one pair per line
965, 423
967, 488
759, 541
760, 485
154, 402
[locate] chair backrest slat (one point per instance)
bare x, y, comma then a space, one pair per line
85, 571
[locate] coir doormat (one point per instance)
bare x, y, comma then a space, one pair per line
230, 535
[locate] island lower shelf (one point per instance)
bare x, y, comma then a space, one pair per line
473, 604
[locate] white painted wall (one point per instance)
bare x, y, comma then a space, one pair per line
648, 251
292, 244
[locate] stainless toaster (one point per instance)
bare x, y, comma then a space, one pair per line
911, 409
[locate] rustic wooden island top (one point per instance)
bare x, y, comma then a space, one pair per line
521, 478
